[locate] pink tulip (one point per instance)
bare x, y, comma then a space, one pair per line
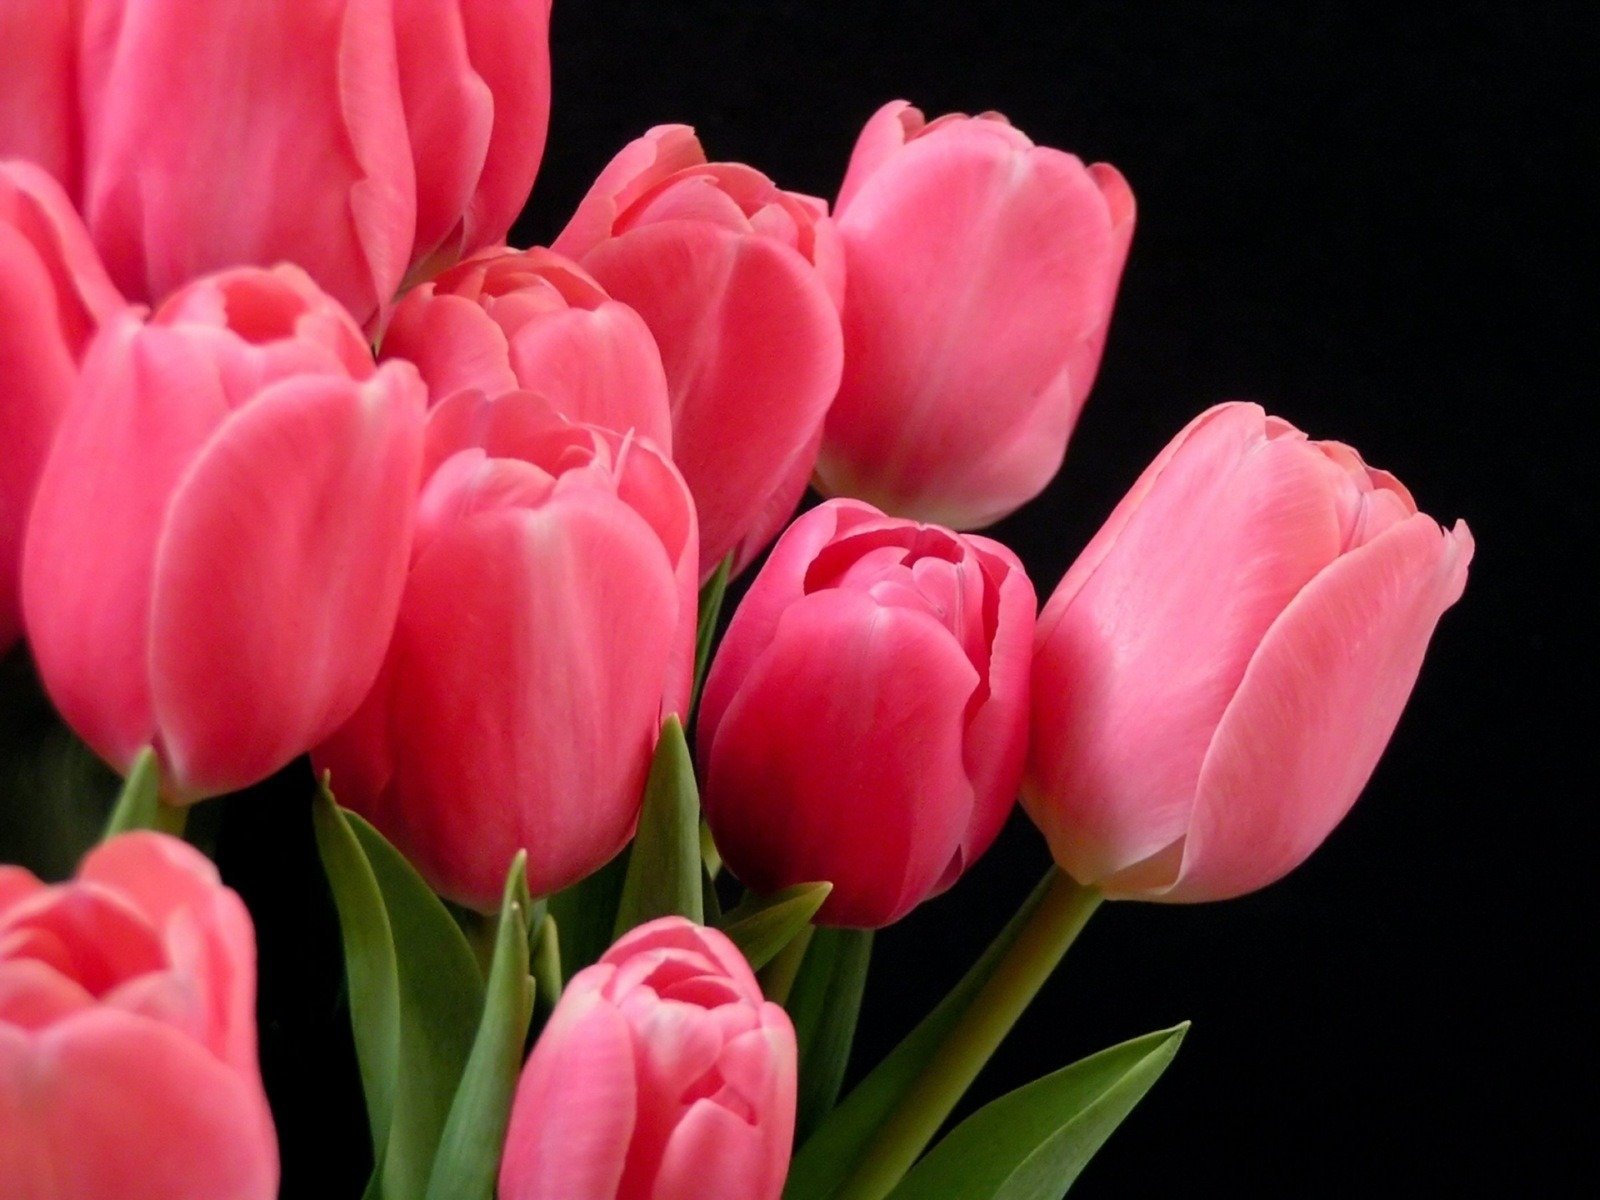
547, 626
357, 138
740, 283
865, 722
982, 274
221, 532
662, 1075
1218, 673
531, 320
128, 1035
53, 292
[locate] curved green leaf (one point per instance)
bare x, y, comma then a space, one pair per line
441, 997
825, 1004
586, 913
1032, 1143
371, 973
664, 865
468, 1160
828, 1156
761, 926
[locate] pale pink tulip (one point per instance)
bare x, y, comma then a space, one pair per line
53, 293
982, 274
1218, 673
531, 320
358, 138
740, 283
220, 534
547, 627
662, 1075
127, 1033
865, 721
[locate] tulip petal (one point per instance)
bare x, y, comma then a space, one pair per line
176, 157
178, 890
751, 345
574, 1113
279, 574
110, 1104
883, 713
1136, 671
598, 367
543, 680
143, 409
1316, 708
38, 116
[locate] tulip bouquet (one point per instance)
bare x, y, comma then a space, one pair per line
305, 473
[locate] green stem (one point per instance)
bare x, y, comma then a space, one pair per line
1036, 953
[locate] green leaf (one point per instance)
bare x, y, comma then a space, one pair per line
415, 996
546, 952
441, 995
706, 629
761, 926
371, 972
824, 1005
1033, 1143
139, 803
586, 913
664, 865
828, 1156
468, 1160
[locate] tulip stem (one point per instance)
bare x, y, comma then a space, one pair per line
1038, 950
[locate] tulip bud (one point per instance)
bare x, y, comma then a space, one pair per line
53, 292
548, 624
740, 283
982, 273
865, 721
355, 137
1218, 673
531, 320
662, 1073
127, 1032
221, 531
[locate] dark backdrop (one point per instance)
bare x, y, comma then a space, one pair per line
1365, 223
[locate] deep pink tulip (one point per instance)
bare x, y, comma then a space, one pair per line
531, 320
221, 531
740, 282
1218, 673
53, 293
662, 1075
865, 721
982, 273
358, 138
127, 1033
547, 627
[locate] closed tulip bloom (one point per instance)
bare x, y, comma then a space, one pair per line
865, 721
531, 320
982, 273
53, 294
740, 282
127, 1033
662, 1075
355, 137
221, 532
547, 627
1218, 673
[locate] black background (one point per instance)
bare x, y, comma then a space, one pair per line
1365, 221
1368, 223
